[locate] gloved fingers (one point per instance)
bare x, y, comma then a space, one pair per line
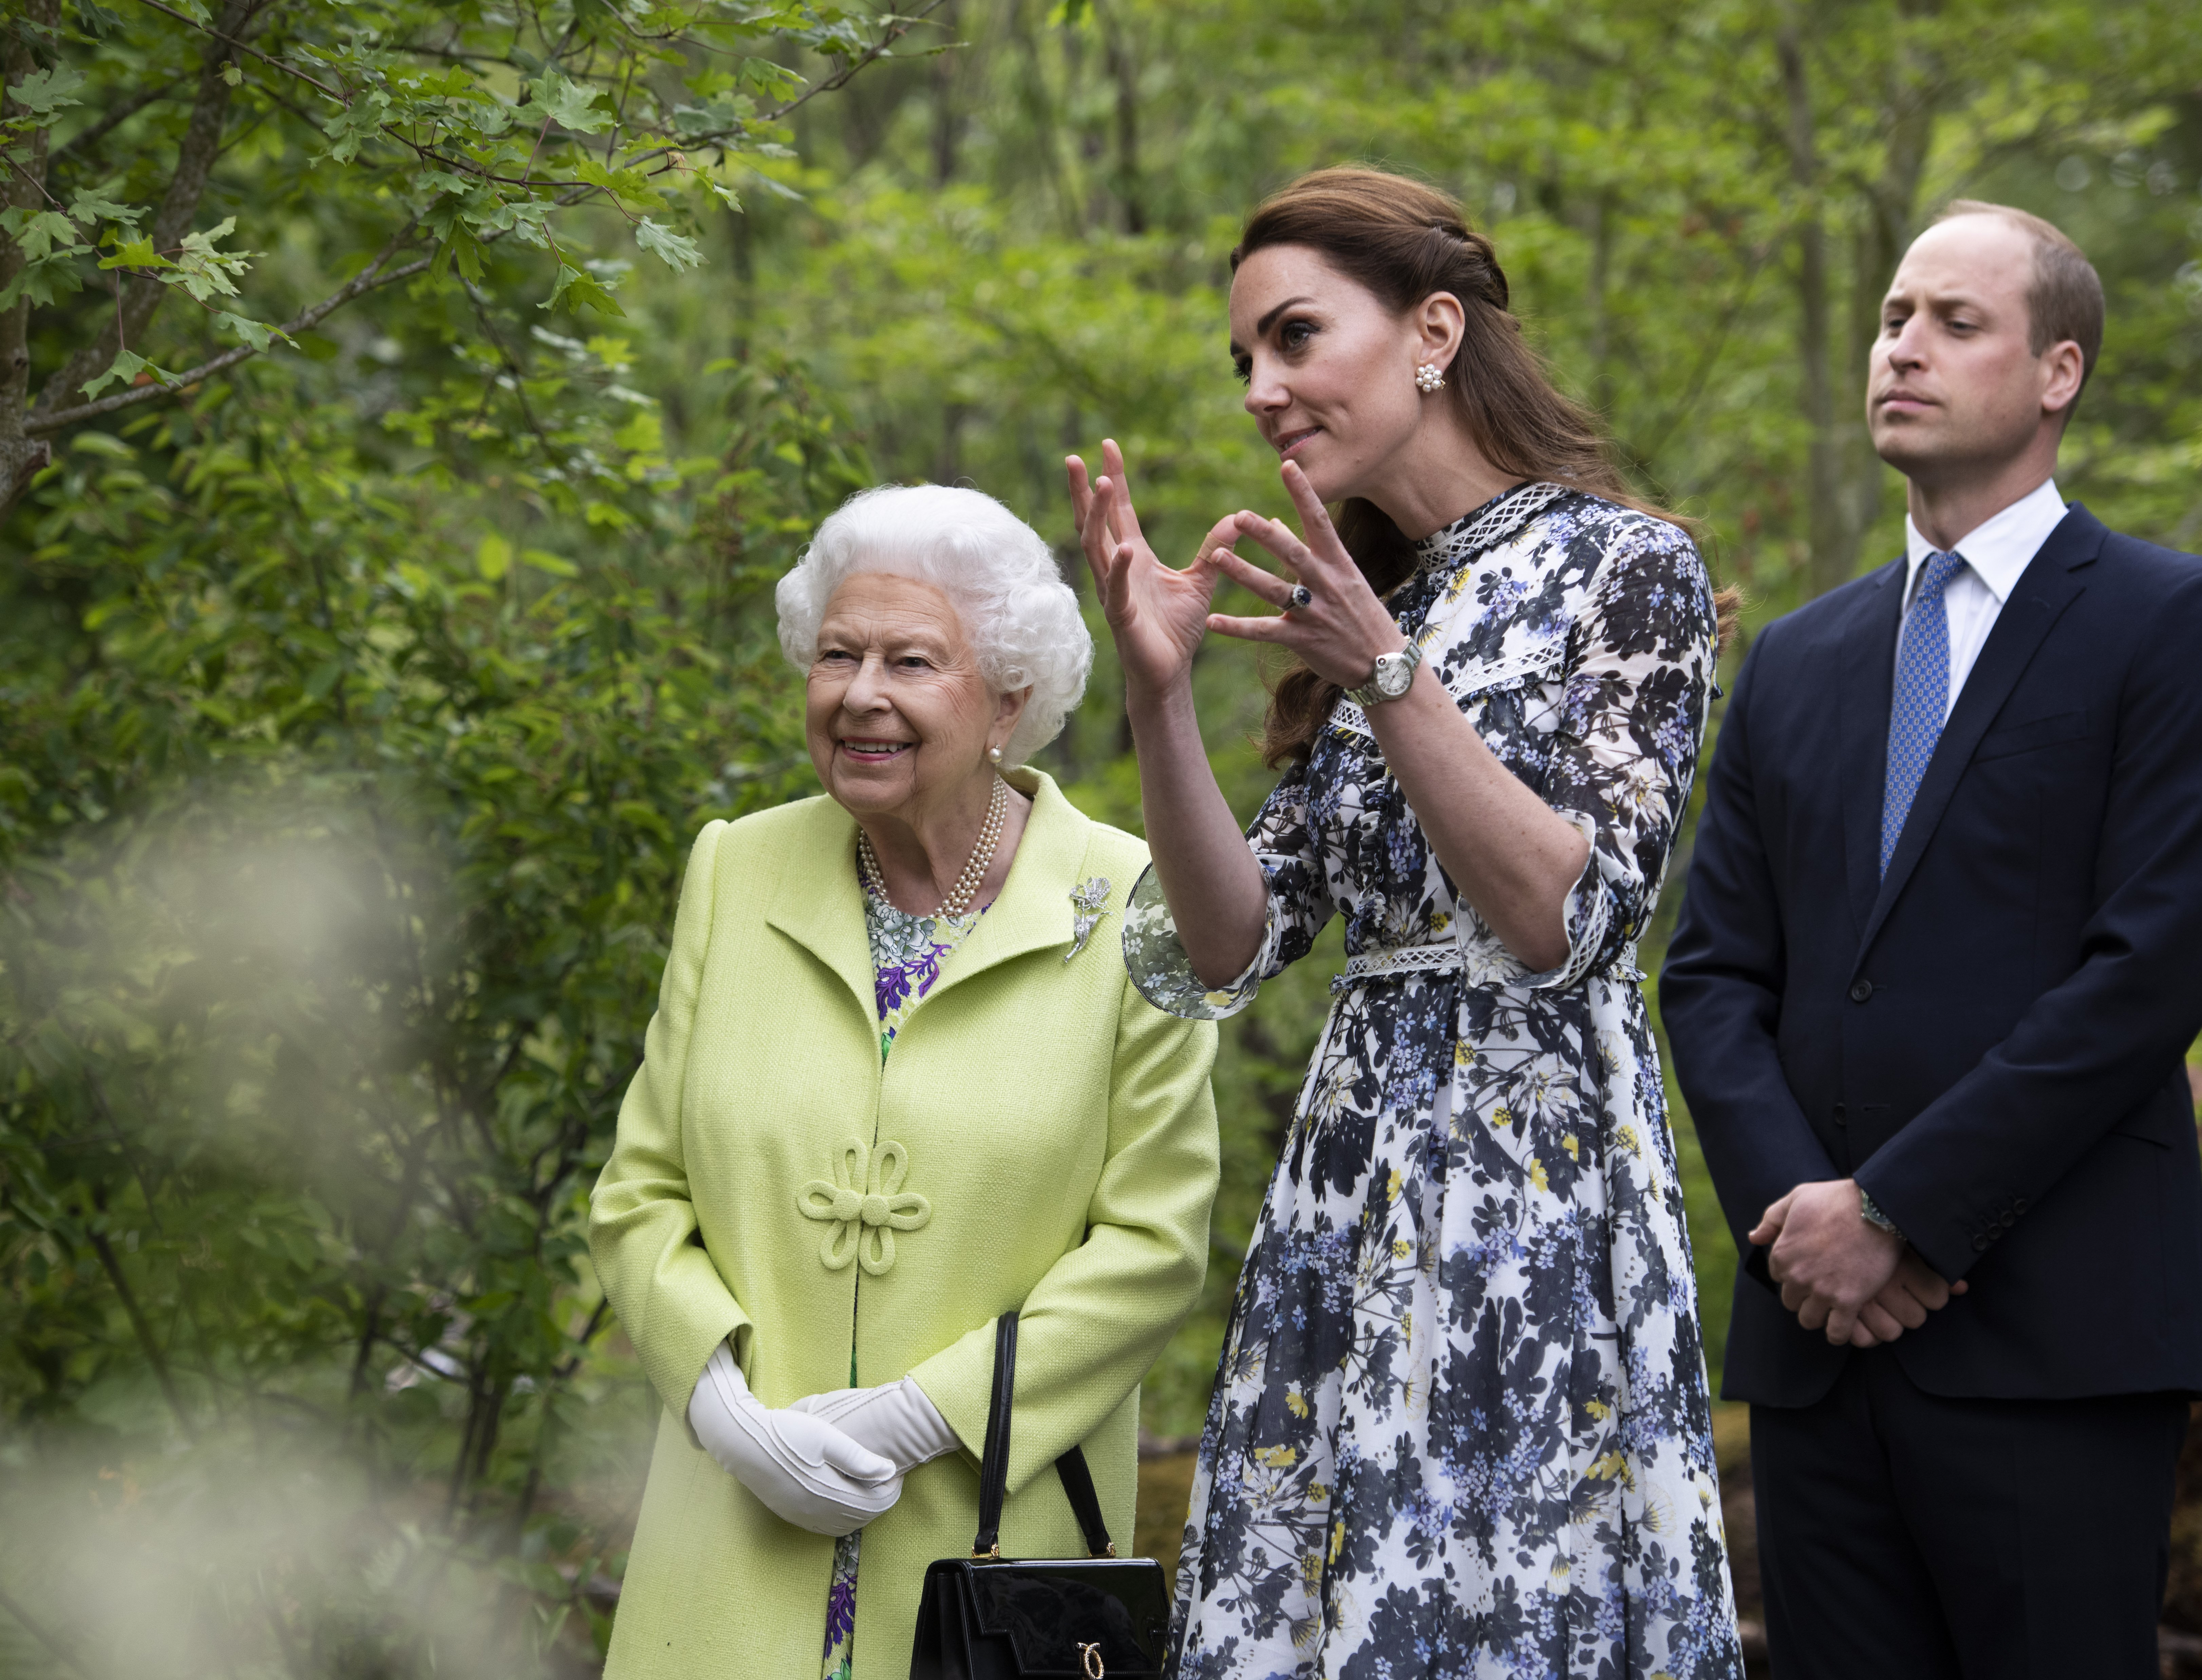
858, 1462
839, 1517
834, 1404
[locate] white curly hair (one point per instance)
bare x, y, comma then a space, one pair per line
1022, 620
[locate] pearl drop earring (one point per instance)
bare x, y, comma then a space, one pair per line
994, 754
1428, 378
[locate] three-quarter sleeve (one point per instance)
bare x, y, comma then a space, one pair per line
1632, 715
643, 1230
1284, 843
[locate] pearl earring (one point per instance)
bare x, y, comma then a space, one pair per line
1428, 378
994, 754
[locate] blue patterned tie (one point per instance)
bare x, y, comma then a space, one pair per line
1922, 696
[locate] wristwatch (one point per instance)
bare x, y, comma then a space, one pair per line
1391, 679
1873, 1216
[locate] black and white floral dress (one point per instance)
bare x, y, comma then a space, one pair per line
1461, 1426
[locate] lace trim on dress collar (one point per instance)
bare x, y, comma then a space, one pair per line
1496, 520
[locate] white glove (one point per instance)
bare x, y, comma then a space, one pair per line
897, 1422
806, 1470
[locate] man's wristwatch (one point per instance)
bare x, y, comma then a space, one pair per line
1392, 678
1873, 1216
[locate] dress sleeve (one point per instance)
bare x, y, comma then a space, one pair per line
643, 1231
1285, 843
1632, 717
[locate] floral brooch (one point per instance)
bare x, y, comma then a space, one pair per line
1089, 902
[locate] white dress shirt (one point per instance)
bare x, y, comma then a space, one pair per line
1995, 553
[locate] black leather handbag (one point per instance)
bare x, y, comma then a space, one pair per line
991, 1618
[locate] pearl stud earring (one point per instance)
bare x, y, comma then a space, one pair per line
1428, 378
994, 754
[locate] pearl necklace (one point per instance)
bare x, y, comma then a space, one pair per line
957, 904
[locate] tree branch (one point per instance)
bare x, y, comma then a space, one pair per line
840, 79
231, 40
63, 1652
84, 141
368, 279
23, 188
179, 205
113, 1266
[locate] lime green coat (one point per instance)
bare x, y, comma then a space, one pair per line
1061, 1158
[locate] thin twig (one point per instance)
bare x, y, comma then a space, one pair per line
343, 99
121, 114
902, 26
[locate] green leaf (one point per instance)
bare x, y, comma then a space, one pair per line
46, 91
204, 272
569, 104
91, 204
258, 334
37, 232
580, 290
357, 124
493, 558
678, 251
631, 185
125, 369
44, 282
137, 253
543, 560
232, 74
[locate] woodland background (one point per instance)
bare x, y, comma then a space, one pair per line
405, 409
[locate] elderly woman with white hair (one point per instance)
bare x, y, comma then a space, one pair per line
899, 1083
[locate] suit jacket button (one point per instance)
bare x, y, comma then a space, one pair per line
2019, 1205
1861, 992
1840, 1119
1980, 1245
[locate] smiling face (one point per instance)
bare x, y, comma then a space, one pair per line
1329, 370
898, 716
1955, 387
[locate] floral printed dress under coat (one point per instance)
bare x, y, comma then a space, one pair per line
908, 954
1461, 1426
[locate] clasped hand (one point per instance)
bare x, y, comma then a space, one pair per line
1159, 614
1861, 1284
831, 1462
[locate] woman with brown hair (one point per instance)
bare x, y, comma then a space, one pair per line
1461, 1425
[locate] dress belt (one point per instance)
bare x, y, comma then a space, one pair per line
1386, 960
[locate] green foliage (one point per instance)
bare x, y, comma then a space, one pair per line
434, 394
339, 849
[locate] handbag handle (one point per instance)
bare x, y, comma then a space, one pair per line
994, 1462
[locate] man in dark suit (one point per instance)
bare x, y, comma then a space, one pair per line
1937, 969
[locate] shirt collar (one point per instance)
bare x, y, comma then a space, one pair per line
2000, 548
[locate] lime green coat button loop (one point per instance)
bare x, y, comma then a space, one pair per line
866, 1205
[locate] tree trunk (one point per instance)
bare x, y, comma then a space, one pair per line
178, 208
1124, 72
947, 114
19, 456
1845, 476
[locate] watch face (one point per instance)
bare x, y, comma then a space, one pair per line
1393, 674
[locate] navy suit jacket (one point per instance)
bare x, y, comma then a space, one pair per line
1990, 1039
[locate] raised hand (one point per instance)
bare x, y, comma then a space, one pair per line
1342, 630
1157, 614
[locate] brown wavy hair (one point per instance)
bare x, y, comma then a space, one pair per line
1403, 241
